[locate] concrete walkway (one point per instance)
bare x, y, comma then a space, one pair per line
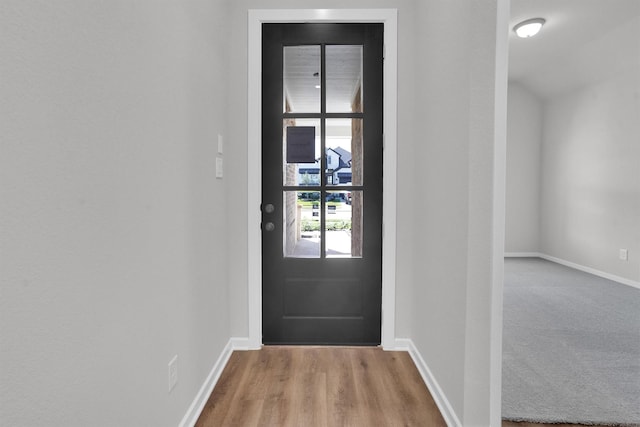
338, 244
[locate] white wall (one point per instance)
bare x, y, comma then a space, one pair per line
453, 193
440, 196
524, 141
113, 229
591, 164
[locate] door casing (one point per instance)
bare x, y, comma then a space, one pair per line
254, 179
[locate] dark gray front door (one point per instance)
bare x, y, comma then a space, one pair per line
322, 183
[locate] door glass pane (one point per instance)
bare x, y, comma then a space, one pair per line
344, 152
344, 79
343, 224
301, 224
301, 152
301, 73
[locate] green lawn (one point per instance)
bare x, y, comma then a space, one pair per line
332, 225
310, 203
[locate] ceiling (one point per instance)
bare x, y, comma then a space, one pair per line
558, 58
302, 77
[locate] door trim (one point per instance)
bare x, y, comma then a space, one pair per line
254, 172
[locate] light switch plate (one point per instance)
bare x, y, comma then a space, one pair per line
220, 144
219, 167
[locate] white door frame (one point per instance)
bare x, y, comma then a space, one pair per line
254, 197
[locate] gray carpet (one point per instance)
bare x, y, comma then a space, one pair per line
571, 346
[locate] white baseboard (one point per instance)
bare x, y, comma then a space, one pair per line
190, 418
242, 344
438, 395
522, 255
566, 263
593, 271
402, 344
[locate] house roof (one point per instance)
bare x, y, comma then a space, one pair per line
344, 154
345, 162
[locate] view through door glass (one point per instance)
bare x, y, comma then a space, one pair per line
322, 183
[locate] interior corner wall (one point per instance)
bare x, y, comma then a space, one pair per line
591, 174
113, 231
452, 191
524, 142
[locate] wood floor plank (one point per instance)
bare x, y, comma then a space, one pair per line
341, 402
407, 380
324, 387
247, 414
217, 407
367, 390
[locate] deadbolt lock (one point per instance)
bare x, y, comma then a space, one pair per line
269, 208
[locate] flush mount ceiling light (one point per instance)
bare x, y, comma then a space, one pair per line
529, 28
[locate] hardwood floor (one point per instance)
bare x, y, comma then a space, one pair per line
320, 386
524, 424
324, 386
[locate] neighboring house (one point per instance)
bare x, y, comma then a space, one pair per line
338, 168
343, 176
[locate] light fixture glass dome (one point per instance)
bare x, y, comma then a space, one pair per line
529, 28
